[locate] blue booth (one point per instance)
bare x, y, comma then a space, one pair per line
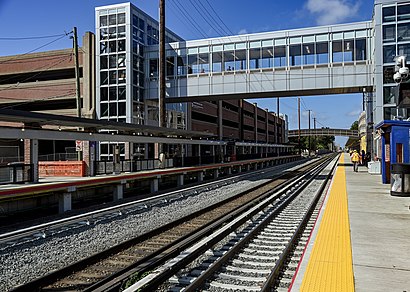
395, 141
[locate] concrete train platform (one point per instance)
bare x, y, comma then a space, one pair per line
361, 241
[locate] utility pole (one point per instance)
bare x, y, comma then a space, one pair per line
77, 72
314, 127
77, 81
161, 104
300, 148
309, 131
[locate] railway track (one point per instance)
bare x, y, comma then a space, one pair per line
112, 268
257, 251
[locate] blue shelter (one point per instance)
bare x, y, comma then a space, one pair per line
394, 145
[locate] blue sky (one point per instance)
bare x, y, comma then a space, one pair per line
27, 19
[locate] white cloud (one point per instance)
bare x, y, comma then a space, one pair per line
355, 113
243, 31
333, 11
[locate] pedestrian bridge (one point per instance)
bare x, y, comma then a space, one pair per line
334, 59
324, 132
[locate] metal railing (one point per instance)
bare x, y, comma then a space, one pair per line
16, 172
129, 165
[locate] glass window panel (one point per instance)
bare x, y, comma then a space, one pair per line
103, 47
153, 68
337, 51
280, 56
389, 94
103, 20
113, 108
403, 12
141, 36
280, 42
403, 50
349, 35
266, 60
203, 60
113, 61
113, 93
388, 72
122, 93
113, 77
121, 76
218, 48
193, 66
295, 40
170, 66
322, 53
104, 110
255, 44
403, 32
229, 47
361, 34
103, 94
121, 9
217, 62
308, 39
121, 60
389, 33
337, 36
104, 77
112, 19
112, 32
103, 33
181, 65
254, 56
112, 11
360, 49
121, 45
192, 51
389, 52
122, 109
103, 62
141, 24
389, 14
112, 47
295, 55
103, 12
240, 46
308, 54
141, 79
229, 61
267, 43
240, 60
322, 38
121, 31
121, 18
348, 51
204, 50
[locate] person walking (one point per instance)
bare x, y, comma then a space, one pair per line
355, 159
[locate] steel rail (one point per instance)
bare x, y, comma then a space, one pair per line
53, 276
153, 280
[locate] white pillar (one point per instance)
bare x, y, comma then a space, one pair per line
154, 185
216, 173
118, 193
180, 180
200, 176
64, 202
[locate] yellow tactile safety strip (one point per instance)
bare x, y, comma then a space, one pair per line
330, 265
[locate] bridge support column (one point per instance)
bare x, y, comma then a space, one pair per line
230, 170
155, 184
180, 180
118, 193
64, 200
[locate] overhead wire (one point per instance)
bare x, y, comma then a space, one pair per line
33, 50
188, 17
31, 38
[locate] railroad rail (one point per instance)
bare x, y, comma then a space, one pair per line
113, 267
251, 249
